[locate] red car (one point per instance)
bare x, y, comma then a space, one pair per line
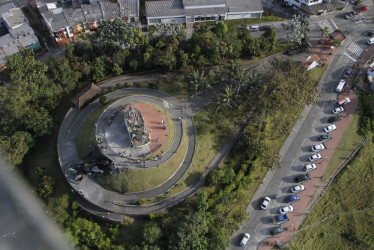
362, 9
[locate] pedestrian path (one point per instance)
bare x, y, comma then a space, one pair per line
355, 49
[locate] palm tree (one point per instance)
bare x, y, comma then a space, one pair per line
228, 97
197, 79
241, 79
217, 102
325, 32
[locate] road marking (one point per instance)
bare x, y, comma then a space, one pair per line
293, 161
303, 142
257, 226
280, 183
314, 123
336, 27
355, 49
350, 57
323, 105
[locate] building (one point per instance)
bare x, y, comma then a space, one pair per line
15, 31
298, 3
71, 17
190, 11
85, 95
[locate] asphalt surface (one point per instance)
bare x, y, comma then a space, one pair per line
305, 133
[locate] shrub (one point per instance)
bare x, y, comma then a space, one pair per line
104, 99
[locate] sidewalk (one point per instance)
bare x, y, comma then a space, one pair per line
301, 209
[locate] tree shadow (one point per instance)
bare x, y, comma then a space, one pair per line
192, 178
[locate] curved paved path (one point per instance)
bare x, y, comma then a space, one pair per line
113, 205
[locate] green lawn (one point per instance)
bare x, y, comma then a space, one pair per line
347, 144
86, 137
263, 19
140, 180
352, 191
210, 138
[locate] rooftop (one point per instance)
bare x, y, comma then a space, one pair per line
85, 95
14, 18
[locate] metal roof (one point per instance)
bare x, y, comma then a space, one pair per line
6, 7
14, 17
174, 8
74, 16
55, 21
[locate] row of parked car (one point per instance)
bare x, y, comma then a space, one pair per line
283, 211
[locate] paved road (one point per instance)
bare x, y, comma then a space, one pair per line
306, 131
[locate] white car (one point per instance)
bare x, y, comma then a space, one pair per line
370, 41
253, 27
310, 167
297, 189
319, 147
338, 110
265, 203
315, 157
330, 128
286, 210
245, 239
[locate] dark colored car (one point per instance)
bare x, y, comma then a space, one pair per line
349, 15
265, 27
303, 178
347, 73
370, 33
334, 119
292, 198
277, 230
325, 137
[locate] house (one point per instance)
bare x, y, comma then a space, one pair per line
85, 95
311, 62
15, 31
74, 17
190, 11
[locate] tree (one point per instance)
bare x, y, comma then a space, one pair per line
191, 232
201, 201
87, 234
117, 70
228, 97
58, 206
99, 69
197, 79
168, 30
120, 34
16, 146
221, 29
46, 186
325, 32
60, 72
297, 29
104, 99
151, 233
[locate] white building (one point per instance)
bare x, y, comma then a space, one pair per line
298, 3
190, 11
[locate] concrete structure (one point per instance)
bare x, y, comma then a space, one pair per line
311, 62
76, 16
190, 11
15, 32
298, 3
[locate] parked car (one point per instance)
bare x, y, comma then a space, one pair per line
362, 9
286, 210
370, 33
280, 219
337, 110
334, 119
340, 86
265, 202
330, 128
325, 137
253, 27
319, 147
277, 230
310, 167
303, 178
347, 73
245, 239
370, 41
297, 188
292, 198
349, 15
344, 100
315, 157
265, 27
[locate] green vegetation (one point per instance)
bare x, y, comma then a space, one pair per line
86, 138
348, 204
263, 19
139, 180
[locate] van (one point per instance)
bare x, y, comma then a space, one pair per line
253, 27
340, 86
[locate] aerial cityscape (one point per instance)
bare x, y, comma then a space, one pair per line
187, 124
